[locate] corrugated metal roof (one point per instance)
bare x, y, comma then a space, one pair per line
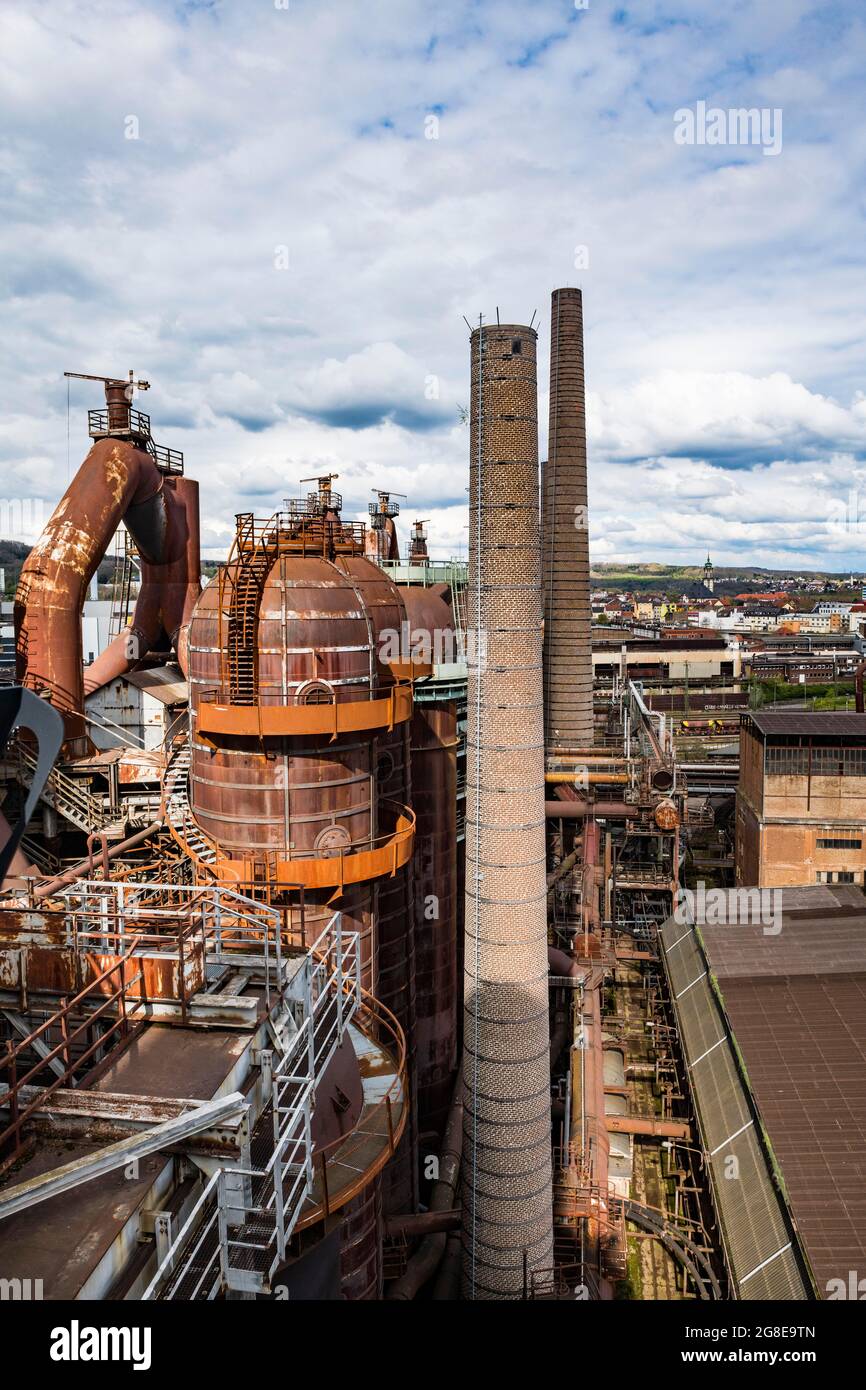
794, 1003
757, 1233
769, 722
165, 683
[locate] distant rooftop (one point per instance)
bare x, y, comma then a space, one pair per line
799, 722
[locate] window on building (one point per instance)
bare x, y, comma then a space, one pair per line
838, 876
835, 843
827, 760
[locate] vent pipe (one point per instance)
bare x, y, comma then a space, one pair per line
565, 534
507, 1221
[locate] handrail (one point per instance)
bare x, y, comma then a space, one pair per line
374, 857
58, 1019
218, 714
372, 1016
331, 994
219, 923
65, 788
209, 1196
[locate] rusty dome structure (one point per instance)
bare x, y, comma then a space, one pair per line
299, 764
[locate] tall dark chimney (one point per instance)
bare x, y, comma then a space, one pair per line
565, 537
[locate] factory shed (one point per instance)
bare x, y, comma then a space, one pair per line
138, 707
772, 1014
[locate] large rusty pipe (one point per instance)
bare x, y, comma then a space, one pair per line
647, 1126
425, 1261
434, 800
116, 482
592, 778
579, 810
446, 1286
168, 593
422, 1223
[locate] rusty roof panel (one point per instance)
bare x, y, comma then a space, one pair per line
796, 1005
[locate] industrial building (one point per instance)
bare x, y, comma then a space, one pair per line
801, 798
339, 947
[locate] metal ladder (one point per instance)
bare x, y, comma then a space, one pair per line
254, 562
126, 564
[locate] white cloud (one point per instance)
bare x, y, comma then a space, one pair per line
724, 296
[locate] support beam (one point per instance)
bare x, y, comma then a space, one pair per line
83, 1117
39, 1047
95, 1165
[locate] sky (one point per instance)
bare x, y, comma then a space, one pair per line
280, 212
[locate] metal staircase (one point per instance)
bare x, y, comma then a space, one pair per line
65, 794
126, 572
175, 796
237, 1234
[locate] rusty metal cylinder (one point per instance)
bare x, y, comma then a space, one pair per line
319, 632
361, 1246
507, 1190
395, 967
118, 398
434, 800
565, 536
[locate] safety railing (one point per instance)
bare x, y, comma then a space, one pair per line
237, 1234
561, 1283
219, 713
296, 533
167, 460
259, 1214
365, 1150
374, 857
64, 793
101, 999
134, 422
197, 925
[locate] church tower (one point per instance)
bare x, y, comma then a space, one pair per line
709, 575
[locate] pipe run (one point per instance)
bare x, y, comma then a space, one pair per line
116, 482
424, 1263
580, 810
55, 885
